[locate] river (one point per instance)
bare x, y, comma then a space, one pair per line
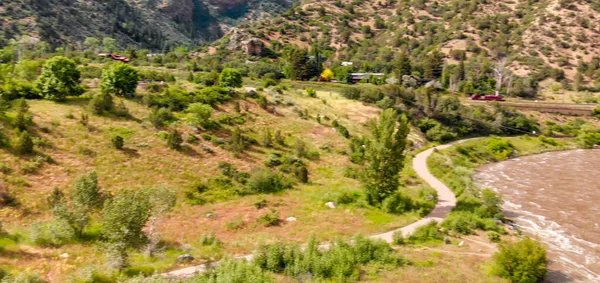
554, 196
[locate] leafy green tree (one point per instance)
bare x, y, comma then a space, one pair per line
198, 114
230, 78
301, 67
403, 65
119, 79
384, 156
523, 261
85, 198
123, 220
59, 79
162, 200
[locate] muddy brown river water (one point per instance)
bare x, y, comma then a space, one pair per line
555, 196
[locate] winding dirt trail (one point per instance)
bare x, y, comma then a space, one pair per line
446, 202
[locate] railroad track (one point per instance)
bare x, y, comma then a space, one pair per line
548, 107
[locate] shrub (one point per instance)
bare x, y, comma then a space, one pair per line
396, 203
270, 218
117, 142
302, 174
340, 262
262, 102
209, 239
462, 222
54, 233
198, 114
440, 133
523, 261
311, 92
160, 116
493, 236
24, 143
212, 95
230, 78
261, 204
341, 129
234, 271
174, 140
274, 159
596, 112
269, 82
100, 103
351, 93
500, 149
398, 238
266, 181
426, 233
208, 79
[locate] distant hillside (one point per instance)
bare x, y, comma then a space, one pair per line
155, 24
536, 35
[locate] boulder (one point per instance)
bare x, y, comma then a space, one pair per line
210, 215
331, 204
462, 243
291, 219
65, 255
186, 258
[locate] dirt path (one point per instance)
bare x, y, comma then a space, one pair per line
446, 202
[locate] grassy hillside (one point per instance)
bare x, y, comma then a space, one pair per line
70, 149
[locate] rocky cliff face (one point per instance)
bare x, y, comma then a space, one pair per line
155, 24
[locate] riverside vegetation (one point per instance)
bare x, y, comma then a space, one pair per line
121, 175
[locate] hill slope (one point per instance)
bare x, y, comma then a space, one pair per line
534, 34
153, 24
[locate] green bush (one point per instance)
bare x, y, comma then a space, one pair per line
426, 233
101, 103
270, 218
230, 78
117, 142
210, 239
398, 238
462, 222
212, 95
54, 233
341, 261
397, 203
208, 79
523, 261
23, 144
493, 236
174, 140
159, 117
500, 149
266, 181
234, 271
351, 93
311, 92
596, 112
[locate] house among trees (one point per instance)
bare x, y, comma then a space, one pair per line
365, 77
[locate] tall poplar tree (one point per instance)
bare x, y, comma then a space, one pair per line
384, 156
